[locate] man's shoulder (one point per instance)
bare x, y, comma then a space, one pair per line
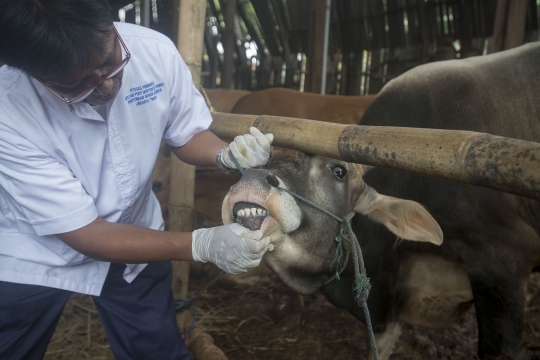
128, 31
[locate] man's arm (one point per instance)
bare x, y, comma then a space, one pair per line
201, 149
250, 150
105, 241
232, 247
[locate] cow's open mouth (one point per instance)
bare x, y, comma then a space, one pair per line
249, 215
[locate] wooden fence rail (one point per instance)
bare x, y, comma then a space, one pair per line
475, 158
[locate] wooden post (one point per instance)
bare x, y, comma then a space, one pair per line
495, 162
509, 27
316, 40
190, 44
213, 59
496, 43
424, 30
515, 26
229, 45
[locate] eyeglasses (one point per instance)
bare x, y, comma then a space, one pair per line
88, 89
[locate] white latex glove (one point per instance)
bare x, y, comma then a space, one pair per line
233, 248
250, 150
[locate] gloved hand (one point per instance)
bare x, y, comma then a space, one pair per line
250, 150
233, 248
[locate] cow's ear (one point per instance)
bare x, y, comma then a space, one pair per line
405, 218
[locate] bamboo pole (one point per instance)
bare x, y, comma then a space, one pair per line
190, 42
475, 158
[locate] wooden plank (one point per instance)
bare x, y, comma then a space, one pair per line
190, 34
475, 158
515, 25
229, 45
316, 40
424, 27
496, 42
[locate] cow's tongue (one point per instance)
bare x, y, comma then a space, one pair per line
249, 215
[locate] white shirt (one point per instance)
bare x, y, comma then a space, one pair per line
63, 165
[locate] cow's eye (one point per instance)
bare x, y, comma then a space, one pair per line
339, 172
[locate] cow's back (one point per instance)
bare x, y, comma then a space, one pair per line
223, 100
292, 103
497, 94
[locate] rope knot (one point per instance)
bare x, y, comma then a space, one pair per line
344, 243
361, 285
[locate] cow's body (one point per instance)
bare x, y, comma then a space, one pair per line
292, 103
491, 239
224, 100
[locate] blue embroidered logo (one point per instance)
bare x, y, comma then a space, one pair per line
144, 94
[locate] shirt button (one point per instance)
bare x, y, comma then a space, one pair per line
130, 203
121, 170
111, 132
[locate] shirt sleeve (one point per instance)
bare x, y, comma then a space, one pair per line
188, 111
43, 195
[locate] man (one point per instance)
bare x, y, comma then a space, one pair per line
85, 104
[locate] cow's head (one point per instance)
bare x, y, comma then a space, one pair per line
303, 237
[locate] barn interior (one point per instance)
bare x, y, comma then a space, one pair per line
335, 47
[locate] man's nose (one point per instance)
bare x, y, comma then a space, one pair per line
106, 86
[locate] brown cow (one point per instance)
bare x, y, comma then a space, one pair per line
223, 100
292, 103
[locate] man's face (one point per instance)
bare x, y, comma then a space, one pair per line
75, 81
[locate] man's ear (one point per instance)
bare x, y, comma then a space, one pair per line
405, 218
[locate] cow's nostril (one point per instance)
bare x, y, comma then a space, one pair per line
272, 180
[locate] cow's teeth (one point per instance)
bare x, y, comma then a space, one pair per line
252, 212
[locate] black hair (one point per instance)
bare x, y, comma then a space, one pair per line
47, 37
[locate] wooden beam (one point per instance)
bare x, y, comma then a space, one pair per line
496, 42
190, 44
229, 45
316, 40
515, 26
475, 158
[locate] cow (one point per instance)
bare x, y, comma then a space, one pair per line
292, 103
491, 239
223, 100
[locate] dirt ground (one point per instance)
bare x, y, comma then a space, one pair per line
267, 320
